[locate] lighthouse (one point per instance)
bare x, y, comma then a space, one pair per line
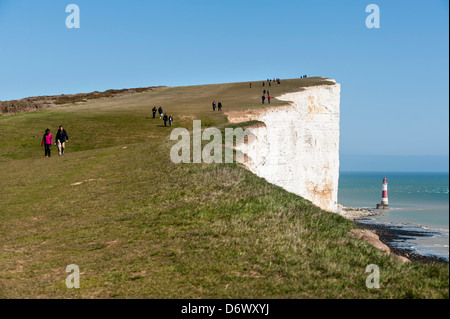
384, 197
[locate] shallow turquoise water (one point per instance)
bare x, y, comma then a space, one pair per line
417, 200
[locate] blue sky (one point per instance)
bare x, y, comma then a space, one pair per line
395, 98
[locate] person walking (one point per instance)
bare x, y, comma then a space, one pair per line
214, 106
160, 111
170, 120
219, 106
250, 85
154, 111
263, 98
264, 91
264, 83
165, 118
268, 99
61, 139
47, 141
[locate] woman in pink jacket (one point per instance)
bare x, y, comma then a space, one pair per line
47, 141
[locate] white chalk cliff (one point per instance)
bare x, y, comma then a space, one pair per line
297, 147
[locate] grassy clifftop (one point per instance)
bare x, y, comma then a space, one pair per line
140, 226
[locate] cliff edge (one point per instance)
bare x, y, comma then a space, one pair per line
297, 147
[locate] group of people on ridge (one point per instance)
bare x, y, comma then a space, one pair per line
61, 138
164, 117
269, 98
274, 80
269, 82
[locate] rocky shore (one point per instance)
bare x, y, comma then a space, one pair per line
388, 235
353, 213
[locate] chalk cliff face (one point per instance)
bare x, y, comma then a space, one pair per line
297, 147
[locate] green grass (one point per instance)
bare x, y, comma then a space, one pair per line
143, 227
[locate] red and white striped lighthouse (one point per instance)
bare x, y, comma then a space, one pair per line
384, 196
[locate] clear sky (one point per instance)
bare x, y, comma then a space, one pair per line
395, 96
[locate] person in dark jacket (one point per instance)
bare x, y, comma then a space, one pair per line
219, 106
160, 111
263, 98
47, 142
154, 111
165, 118
61, 139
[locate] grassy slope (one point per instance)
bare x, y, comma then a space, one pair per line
146, 227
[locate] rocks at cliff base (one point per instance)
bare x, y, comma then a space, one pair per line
375, 241
352, 213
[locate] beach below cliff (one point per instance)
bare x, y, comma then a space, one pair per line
389, 235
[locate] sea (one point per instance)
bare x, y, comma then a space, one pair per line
418, 202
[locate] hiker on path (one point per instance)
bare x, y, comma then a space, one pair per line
214, 106
154, 112
61, 139
250, 85
264, 83
264, 91
268, 92
219, 106
47, 142
160, 111
170, 120
269, 98
165, 118
263, 98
